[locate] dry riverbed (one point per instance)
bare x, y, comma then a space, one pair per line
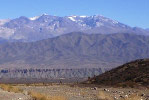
75, 92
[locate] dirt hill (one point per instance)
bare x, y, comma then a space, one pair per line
130, 74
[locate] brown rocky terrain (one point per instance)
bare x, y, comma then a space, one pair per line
131, 74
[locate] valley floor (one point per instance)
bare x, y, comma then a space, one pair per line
75, 92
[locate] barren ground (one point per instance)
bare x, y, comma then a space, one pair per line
75, 92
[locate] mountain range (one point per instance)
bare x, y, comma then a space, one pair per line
47, 26
67, 47
75, 50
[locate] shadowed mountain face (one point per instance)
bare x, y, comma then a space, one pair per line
47, 26
75, 50
132, 73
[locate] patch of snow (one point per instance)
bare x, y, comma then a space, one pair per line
115, 22
72, 18
83, 16
34, 18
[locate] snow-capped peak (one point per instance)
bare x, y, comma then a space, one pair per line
36, 17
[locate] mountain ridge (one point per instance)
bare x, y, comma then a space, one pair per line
75, 50
47, 26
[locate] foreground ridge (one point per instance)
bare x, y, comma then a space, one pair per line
129, 74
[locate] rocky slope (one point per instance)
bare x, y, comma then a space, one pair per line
129, 74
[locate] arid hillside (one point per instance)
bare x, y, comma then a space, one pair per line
130, 74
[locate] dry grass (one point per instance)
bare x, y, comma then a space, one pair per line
10, 88
34, 95
39, 96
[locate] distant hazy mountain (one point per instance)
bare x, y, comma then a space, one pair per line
47, 26
75, 50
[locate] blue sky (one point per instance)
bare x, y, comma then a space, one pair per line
130, 12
